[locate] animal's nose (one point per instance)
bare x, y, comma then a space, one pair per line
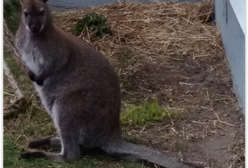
35, 28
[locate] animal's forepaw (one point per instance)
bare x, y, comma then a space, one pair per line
31, 155
39, 81
31, 75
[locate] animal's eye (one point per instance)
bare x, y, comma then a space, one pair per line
26, 14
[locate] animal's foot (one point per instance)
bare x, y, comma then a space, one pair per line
38, 143
32, 155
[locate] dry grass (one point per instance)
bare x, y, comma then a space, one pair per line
154, 28
154, 32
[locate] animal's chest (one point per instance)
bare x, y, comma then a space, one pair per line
33, 57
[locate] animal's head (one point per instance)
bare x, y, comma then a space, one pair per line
35, 15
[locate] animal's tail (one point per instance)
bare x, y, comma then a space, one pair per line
133, 152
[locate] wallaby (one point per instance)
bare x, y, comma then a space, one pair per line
79, 89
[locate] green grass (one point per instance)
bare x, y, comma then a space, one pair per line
11, 160
11, 63
35, 124
12, 11
12, 152
95, 23
148, 112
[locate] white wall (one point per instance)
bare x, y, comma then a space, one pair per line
230, 17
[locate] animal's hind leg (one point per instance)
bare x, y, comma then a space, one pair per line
70, 151
47, 142
69, 136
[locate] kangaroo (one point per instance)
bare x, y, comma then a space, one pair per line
79, 89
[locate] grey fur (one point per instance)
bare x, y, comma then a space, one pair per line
80, 91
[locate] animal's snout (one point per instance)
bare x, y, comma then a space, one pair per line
35, 28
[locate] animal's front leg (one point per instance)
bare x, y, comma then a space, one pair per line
41, 76
31, 75
36, 78
39, 79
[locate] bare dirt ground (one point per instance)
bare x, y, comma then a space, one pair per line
184, 66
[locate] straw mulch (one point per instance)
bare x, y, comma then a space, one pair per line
173, 52
156, 28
